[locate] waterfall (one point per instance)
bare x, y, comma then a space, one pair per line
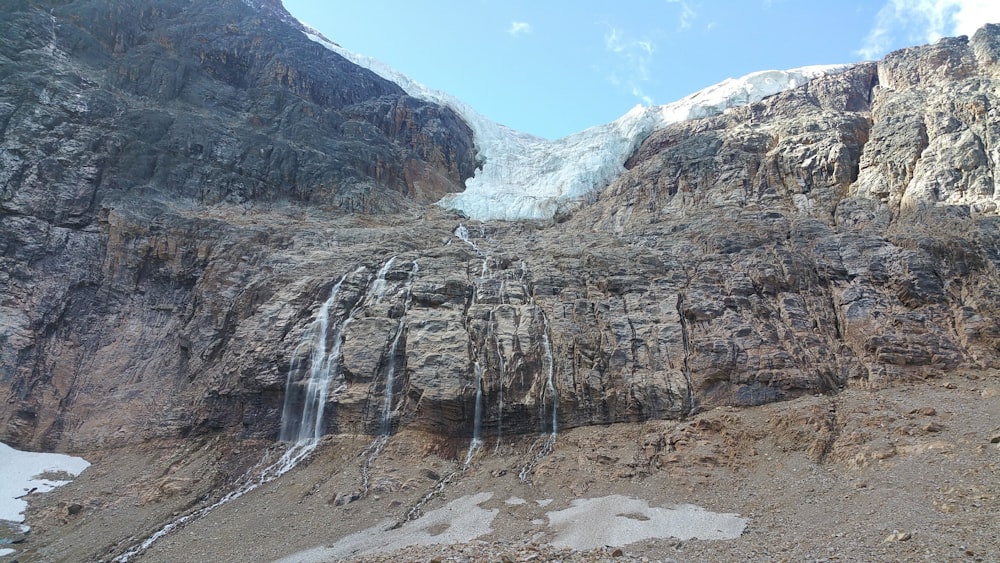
463, 234
302, 416
390, 376
377, 289
477, 424
373, 450
502, 370
484, 274
550, 388
550, 380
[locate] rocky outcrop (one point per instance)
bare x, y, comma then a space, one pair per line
206, 103
121, 125
838, 232
200, 177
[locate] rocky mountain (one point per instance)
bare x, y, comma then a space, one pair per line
126, 126
182, 189
200, 207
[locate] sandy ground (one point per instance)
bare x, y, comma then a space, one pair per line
905, 473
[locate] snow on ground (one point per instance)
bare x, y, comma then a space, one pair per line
613, 520
616, 520
22, 471
527, 177
461, 520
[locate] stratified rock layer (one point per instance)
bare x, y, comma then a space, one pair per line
131, 135
181, 190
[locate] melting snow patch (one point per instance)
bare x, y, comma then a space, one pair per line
24, 473
617, 520
461, 520
608, 521
21, 472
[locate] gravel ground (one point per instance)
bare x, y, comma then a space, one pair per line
905, 473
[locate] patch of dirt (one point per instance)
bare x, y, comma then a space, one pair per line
904, 473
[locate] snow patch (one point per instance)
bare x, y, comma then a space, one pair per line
616, 520
527, 177
21, 472
461, 520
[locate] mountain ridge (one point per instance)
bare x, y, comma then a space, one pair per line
183, 190
524, 177
815, 176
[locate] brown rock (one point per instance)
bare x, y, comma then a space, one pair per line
162, 273
932, 427
346, 498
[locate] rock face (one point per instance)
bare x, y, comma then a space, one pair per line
182, 190
117, 120
839, 233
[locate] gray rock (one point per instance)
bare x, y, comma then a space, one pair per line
346, 498
174, 213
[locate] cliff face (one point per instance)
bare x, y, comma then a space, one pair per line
123, 125
183, 190
841, 233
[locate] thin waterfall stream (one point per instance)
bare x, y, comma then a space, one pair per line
550, 380
550, 388
477, 421
484, 274
502, 370
301, 415
372, 452
390, 376
308, 426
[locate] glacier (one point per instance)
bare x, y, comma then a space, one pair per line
527, 177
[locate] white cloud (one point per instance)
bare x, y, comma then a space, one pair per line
972, 15
687, 16
519, 28
613, 40
907, 22
638, 93
633, 59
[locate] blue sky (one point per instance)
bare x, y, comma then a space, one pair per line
556, 67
